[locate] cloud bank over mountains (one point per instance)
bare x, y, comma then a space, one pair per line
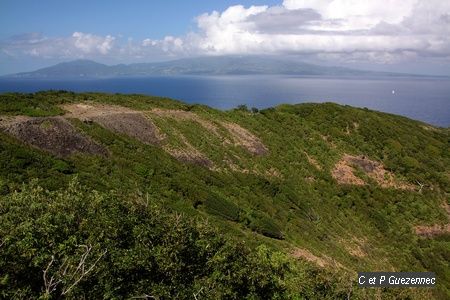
77, 45
388, 31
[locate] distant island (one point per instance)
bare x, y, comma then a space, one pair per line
217, 65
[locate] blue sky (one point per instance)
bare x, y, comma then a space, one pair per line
392, 35
134, 18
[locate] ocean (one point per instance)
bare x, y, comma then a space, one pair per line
422, 98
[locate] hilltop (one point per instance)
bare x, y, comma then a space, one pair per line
168, 199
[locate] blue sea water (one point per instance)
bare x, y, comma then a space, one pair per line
422, 98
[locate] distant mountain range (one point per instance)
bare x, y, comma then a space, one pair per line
221, 65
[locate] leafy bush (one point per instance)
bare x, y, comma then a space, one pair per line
218, 205
242, 107
265, 226
83, 244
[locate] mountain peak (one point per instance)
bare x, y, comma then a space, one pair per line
84, 62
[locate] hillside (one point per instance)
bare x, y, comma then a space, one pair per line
159, 198
218, 65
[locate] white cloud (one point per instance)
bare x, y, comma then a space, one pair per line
77, 45
169, 44
357, 14
385, 31
228, 32
89, 43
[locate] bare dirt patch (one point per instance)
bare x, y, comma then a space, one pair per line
436, 229
307, 255
244, 138
343, 172
323, 261
53, 134
86, 112
134, 125
6, 121
355, 246
186, 116
118, 119
433, 230
188, 153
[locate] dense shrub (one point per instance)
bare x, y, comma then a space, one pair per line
265, 226
218, 205
83, 244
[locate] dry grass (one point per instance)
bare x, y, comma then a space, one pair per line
354, 246
313, 161
138, 125
308, 256
186, 116
240, 136
244, 138
321, 261
118, 119
188, 153
86, 112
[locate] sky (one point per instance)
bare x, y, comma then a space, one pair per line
410, 36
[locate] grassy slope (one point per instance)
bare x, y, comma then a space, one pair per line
305, 204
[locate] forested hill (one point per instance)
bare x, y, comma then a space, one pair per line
121, 196
217, 65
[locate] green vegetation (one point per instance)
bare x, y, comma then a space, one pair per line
264, 225
77, 243
218, 205
155, 225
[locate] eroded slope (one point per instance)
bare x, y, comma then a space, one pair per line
53, 134
344, 172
